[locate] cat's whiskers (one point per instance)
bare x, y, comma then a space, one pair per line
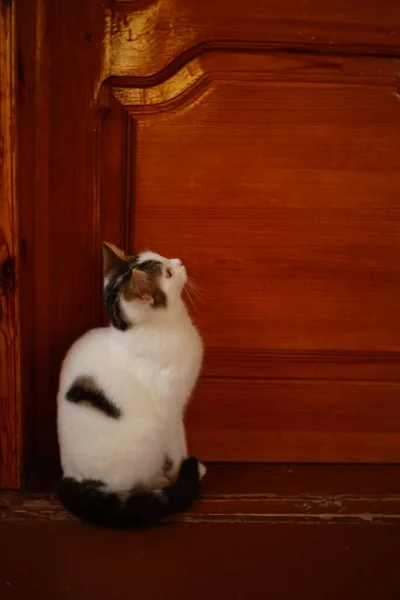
192, 292
190, 298
193, 282
197, 295
195, 289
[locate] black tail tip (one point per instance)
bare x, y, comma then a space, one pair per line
190, 469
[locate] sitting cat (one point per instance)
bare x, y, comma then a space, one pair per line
123, 391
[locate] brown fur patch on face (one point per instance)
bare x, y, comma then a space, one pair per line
160, 298
144, 282
138, 285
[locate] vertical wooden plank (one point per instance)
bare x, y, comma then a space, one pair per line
61, 66
32, 92
10, 439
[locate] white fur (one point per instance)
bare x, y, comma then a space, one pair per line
149, 372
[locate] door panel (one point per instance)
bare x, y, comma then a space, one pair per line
276, 178
148, 35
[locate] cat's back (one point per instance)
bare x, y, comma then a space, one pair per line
94, 352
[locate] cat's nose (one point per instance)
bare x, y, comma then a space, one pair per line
176, 262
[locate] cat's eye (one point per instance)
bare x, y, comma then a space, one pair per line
168, 273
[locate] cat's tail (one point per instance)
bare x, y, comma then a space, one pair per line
134, 510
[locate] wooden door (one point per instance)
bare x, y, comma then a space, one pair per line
260, 142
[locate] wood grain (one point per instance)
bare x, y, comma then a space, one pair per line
62, 69
302, 365
294, 245
253, 493
295, 421
260, 142
10, 434
256, 493
32, 183
226, 480
147, 36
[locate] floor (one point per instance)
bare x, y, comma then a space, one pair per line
276, 532
191, 561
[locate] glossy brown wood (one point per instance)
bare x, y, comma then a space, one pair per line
294, 245
61, 67
237, 492
148, 35
31, 175
10, 413
289, 421
260, 142
240, 480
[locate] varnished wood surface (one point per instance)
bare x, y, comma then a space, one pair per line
260, 142
147, 36
10, 413
203, 560
253, 492
60, 58
294, 421
240, 480
329, 509
294, 244
311, 479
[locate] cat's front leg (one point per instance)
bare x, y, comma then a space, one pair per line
184, 450
181, 440
176, 449
202, 470
179, 452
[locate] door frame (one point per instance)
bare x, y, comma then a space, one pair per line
10, 390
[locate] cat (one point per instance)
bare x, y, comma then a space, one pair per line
122, 394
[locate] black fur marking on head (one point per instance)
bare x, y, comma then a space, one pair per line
112, 292
153, 268
85, 390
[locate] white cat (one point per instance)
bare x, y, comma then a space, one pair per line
123, 391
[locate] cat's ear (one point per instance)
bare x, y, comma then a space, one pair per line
141, 285
113, 258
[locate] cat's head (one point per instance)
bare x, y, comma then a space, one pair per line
136, 286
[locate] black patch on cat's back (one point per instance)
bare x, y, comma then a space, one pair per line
85, 390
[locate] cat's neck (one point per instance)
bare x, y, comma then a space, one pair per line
162, 320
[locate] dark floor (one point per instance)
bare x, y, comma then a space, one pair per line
280, 532
61, 559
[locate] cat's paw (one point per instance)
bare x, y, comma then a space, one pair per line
202, 470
